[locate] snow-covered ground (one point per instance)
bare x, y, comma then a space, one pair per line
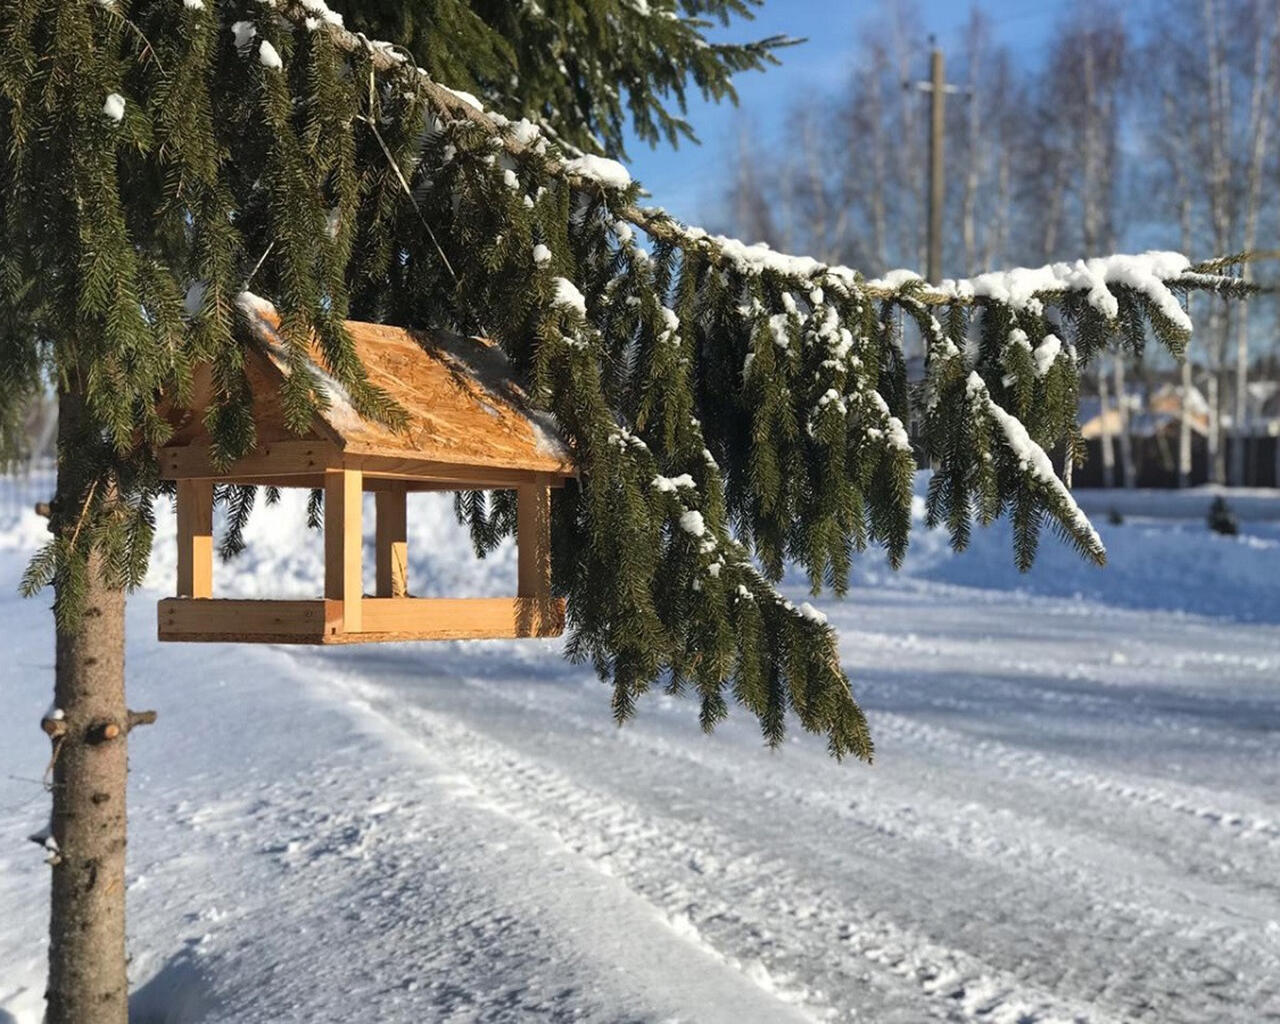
1074, 815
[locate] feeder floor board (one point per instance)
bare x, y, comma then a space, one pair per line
384, 619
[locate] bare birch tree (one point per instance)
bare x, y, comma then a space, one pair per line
1077, 175
1041, 173
1218, 157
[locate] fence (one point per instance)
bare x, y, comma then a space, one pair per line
1156, 462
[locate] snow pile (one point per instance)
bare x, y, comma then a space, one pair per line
895, 280
598, 168
323, 12
114, 107
670, 484
896, 432
692, 523
758, 258
811, 613
268, 57
465, 97
243, 33
1022, 286
1046, 354
568, 296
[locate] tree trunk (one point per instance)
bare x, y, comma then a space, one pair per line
1104, 414
1128, 472
1240, 416
1184, 427
87, 978
1217, 465
1261, 114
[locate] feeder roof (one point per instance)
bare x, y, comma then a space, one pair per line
463, 406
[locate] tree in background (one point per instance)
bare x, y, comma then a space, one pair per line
1217, 163
1116, 134
847, 181
985, 128
1077, 128
730, 409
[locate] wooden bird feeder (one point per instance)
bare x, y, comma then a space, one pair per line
468, 428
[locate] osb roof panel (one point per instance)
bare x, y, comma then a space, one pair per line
463, 406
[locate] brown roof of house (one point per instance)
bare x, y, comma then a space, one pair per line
463, 406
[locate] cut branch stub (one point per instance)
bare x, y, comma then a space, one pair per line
136, 718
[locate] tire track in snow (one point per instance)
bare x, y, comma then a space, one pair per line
1040, 846
1136, 900
1179, 799
760, 913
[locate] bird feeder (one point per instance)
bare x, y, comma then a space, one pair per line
468, 428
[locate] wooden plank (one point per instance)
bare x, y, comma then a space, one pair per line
278, 461
195, 538
391, 542
275, 459
461, 618
463, 465
343, 544
462, 475
305, 481
247, 620
386, 620
533, 539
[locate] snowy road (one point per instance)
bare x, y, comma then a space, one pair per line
1032, 845
1073, 817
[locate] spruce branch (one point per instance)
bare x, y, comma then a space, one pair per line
731, 409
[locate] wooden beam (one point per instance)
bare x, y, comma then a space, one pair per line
464, 476
533, 539
309, 481
195, 538
343, 543
385, 619
274, 459
461, 618
278, 461
248, 620
391, 542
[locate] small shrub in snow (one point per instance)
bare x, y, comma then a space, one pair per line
1222, 519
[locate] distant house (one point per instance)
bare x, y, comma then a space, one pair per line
1155, 417
1264, 407
1159, 415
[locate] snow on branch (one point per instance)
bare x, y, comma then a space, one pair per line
733, 409
1111, 289
1032, 460
1155, 275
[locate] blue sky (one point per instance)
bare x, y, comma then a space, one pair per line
689, 181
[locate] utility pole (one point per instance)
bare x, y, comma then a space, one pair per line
937, 88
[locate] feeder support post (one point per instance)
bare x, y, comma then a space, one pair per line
533, 539
195, 538
343, 543
392, 541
